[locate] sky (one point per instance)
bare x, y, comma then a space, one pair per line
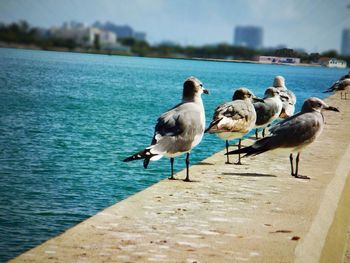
314, 25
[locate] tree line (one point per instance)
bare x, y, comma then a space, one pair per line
23, 33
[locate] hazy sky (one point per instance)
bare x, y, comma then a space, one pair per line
315, 25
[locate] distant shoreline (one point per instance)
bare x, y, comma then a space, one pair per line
117, 53
254, 62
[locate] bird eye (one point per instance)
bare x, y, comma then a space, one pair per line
201, 85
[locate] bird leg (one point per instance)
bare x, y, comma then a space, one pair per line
291, 164
263, 133
227, 156
297, 164
172, 169
296, 169
239, 155
187, 179
256, 134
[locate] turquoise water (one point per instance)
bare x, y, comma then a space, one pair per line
68, 120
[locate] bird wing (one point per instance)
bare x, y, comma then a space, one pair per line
177, 129
288, 103
333, 87
296, 130
232, 117
343, 84
169, 124
293, 98
264, 112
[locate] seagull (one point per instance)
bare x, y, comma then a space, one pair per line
295, 133
340, 85
235, 118
268, 110
288, 100
178, 130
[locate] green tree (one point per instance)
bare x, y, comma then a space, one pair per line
330, 53
97, 44
285, 52
314, 57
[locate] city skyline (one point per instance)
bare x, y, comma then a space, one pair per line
315, 26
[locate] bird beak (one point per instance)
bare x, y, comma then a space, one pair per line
331, 108
257, 99
284, 97
205, 91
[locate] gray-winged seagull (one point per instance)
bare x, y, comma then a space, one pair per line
295, 132
234, 119
178, 130
287, 96
341, 85
268, 110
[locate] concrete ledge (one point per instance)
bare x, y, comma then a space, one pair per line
255, 212
338, 234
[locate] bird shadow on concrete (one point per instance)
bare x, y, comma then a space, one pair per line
182, 179
250, 174
204, 163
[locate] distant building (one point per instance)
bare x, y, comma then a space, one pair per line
274, 59
72, 24
85, 36
332, 62
345, 42
248, 36
123, 31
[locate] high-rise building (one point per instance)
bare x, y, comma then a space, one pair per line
248, 36
345, 42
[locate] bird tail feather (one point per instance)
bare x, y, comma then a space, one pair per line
212, 124
332, 88
258, 147
144, 154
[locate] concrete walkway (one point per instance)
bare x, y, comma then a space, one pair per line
255, 212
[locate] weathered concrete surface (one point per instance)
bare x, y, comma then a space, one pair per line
338, 234
346, 257
255, 212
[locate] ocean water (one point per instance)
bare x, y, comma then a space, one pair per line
68, 120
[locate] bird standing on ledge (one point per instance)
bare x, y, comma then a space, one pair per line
178, 130
235, 118
287, 96
268, 110
295, 132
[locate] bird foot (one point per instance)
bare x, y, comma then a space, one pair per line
228, 163
238, 163
187, 180
171, 178
301, 177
